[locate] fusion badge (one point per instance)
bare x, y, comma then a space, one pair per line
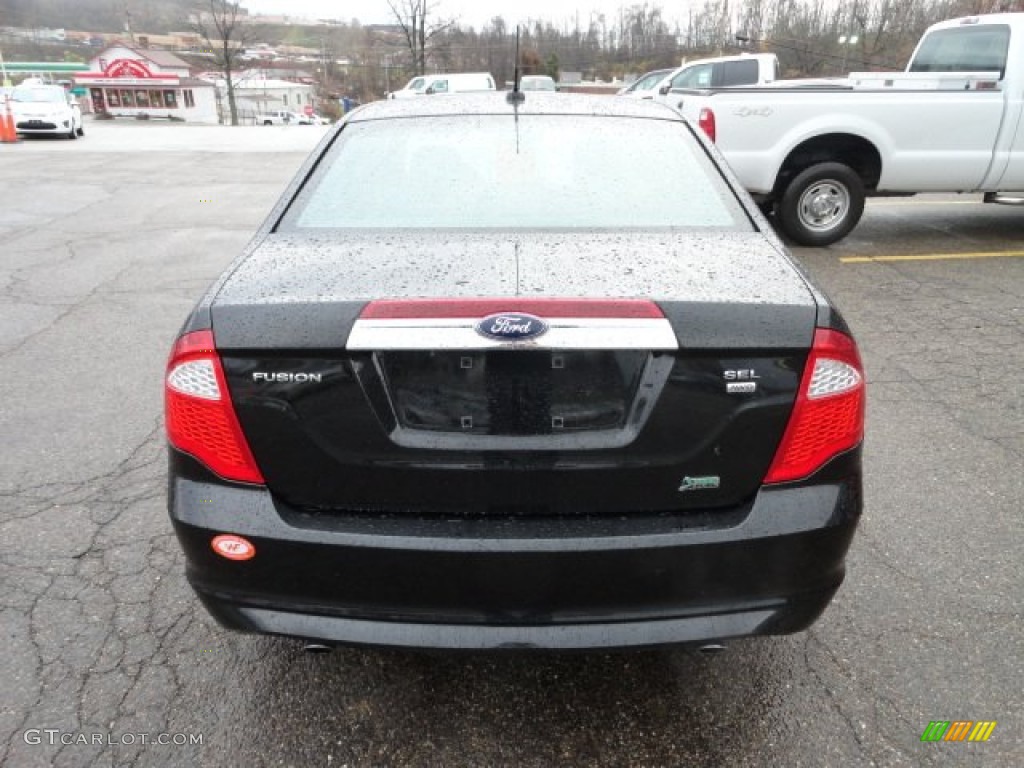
511, 326
287, 376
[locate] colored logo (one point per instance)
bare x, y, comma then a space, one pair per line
127, 68
233, 547
708, 483
958, 730
510, 326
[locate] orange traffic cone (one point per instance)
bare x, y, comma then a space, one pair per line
8, 131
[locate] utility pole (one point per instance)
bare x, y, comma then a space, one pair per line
324, 78
723, 28
847, 41
323, 63
6, 82
128, 23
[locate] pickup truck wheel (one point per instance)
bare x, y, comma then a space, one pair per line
822, 204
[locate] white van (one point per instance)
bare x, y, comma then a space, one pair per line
414, 87
429, 85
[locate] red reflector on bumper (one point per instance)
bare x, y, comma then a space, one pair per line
233, 547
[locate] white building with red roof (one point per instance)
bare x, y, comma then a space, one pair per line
123, 81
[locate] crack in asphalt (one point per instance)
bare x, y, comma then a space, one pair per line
833, 701
107, 637
49, 668
102, 489
70, 309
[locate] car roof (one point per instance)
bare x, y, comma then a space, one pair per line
496, 103
655, 72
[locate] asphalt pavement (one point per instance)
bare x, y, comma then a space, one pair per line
106, 242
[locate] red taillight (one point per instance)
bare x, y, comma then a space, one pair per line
706, 122
828, 416
199, 416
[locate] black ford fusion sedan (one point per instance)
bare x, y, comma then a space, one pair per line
500, 374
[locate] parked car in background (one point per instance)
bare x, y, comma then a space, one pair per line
277, 117
645, 86
439, 402
952, 122
537, 83
414, 87
462, 82
46, 109
718, 72
466, 82
301, 118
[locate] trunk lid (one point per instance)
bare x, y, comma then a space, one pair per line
424, 416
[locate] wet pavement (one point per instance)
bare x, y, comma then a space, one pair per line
106, 243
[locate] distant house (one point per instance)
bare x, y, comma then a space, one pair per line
127, 82
256, 94
284, 73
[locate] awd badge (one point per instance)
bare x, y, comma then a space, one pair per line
707, 483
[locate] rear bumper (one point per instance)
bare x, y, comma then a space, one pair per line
768, 568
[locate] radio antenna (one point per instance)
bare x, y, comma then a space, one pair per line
515, 96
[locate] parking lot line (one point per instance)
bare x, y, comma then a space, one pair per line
933, 257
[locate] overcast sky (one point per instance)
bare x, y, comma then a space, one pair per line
470, 12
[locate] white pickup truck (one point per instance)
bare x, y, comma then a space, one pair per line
277, 117
952, 122
717, 72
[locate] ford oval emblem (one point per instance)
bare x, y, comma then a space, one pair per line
511, 326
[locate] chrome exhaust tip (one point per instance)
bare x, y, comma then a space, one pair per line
711, 649
1003, 199
317, 648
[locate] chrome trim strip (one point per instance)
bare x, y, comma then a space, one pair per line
563, 333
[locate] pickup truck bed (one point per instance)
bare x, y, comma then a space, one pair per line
810, 155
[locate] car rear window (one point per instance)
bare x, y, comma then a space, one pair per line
494, 171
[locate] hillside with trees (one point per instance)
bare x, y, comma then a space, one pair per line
155, 16
811, 37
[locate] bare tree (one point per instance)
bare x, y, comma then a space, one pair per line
225, 30
755, 16
414, 17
